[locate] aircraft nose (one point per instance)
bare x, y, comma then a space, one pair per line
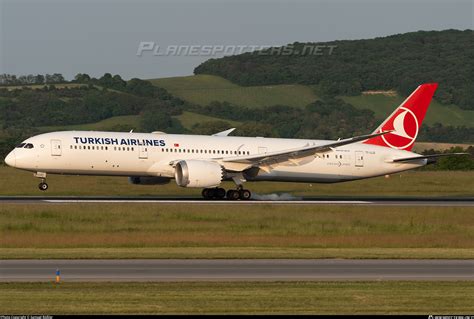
10, 160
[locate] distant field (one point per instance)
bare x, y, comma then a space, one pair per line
129, 121
383, 105
421, 146
386, 297
40, 86
414, 183
203, 89
189, 119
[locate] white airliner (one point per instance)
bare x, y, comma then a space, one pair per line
206, 161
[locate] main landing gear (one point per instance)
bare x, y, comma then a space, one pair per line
231, 194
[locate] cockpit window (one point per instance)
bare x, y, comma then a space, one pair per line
20, 145
29, 145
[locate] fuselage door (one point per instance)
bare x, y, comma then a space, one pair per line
359, 159
262, 150
56, 148
143, 152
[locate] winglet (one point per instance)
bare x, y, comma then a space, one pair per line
224, 133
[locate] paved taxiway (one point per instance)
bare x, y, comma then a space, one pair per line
276, 199
235, 270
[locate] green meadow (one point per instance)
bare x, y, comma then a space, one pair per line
386, 297
203, 89
88, 230
411, 183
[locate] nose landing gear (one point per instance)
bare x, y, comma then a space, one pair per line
42, 186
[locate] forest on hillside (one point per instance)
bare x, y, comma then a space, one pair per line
399, 62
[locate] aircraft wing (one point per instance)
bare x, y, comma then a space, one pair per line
296, 153
431, 158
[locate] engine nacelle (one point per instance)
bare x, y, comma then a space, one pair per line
196, 173
148, 180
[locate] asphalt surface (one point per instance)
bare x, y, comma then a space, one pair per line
277, 199
235, 270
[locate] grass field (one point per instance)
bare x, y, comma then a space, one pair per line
203, 89
383, 105
209, 231
388, 297
128, 121
412, 183
189, 119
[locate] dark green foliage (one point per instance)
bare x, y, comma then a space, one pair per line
447, 134
400, 62
210, 127
331, 118
451, 163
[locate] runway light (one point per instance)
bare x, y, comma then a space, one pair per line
58, 276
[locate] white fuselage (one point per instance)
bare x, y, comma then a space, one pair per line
153, 154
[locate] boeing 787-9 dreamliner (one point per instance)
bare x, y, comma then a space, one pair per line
205, 161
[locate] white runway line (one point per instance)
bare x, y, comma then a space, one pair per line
279, 202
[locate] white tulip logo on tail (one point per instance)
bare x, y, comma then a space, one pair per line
404, 125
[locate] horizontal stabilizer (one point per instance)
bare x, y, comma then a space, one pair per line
431, 158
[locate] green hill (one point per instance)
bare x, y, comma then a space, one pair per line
203, 89
383, 105
400, 62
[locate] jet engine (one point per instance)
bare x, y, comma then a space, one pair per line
148, 180
197, 173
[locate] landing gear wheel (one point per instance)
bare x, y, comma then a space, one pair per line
43, 186
233, 194
245, 194
207, 193
219, 193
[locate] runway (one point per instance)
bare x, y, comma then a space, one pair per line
235, 270
273, 199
